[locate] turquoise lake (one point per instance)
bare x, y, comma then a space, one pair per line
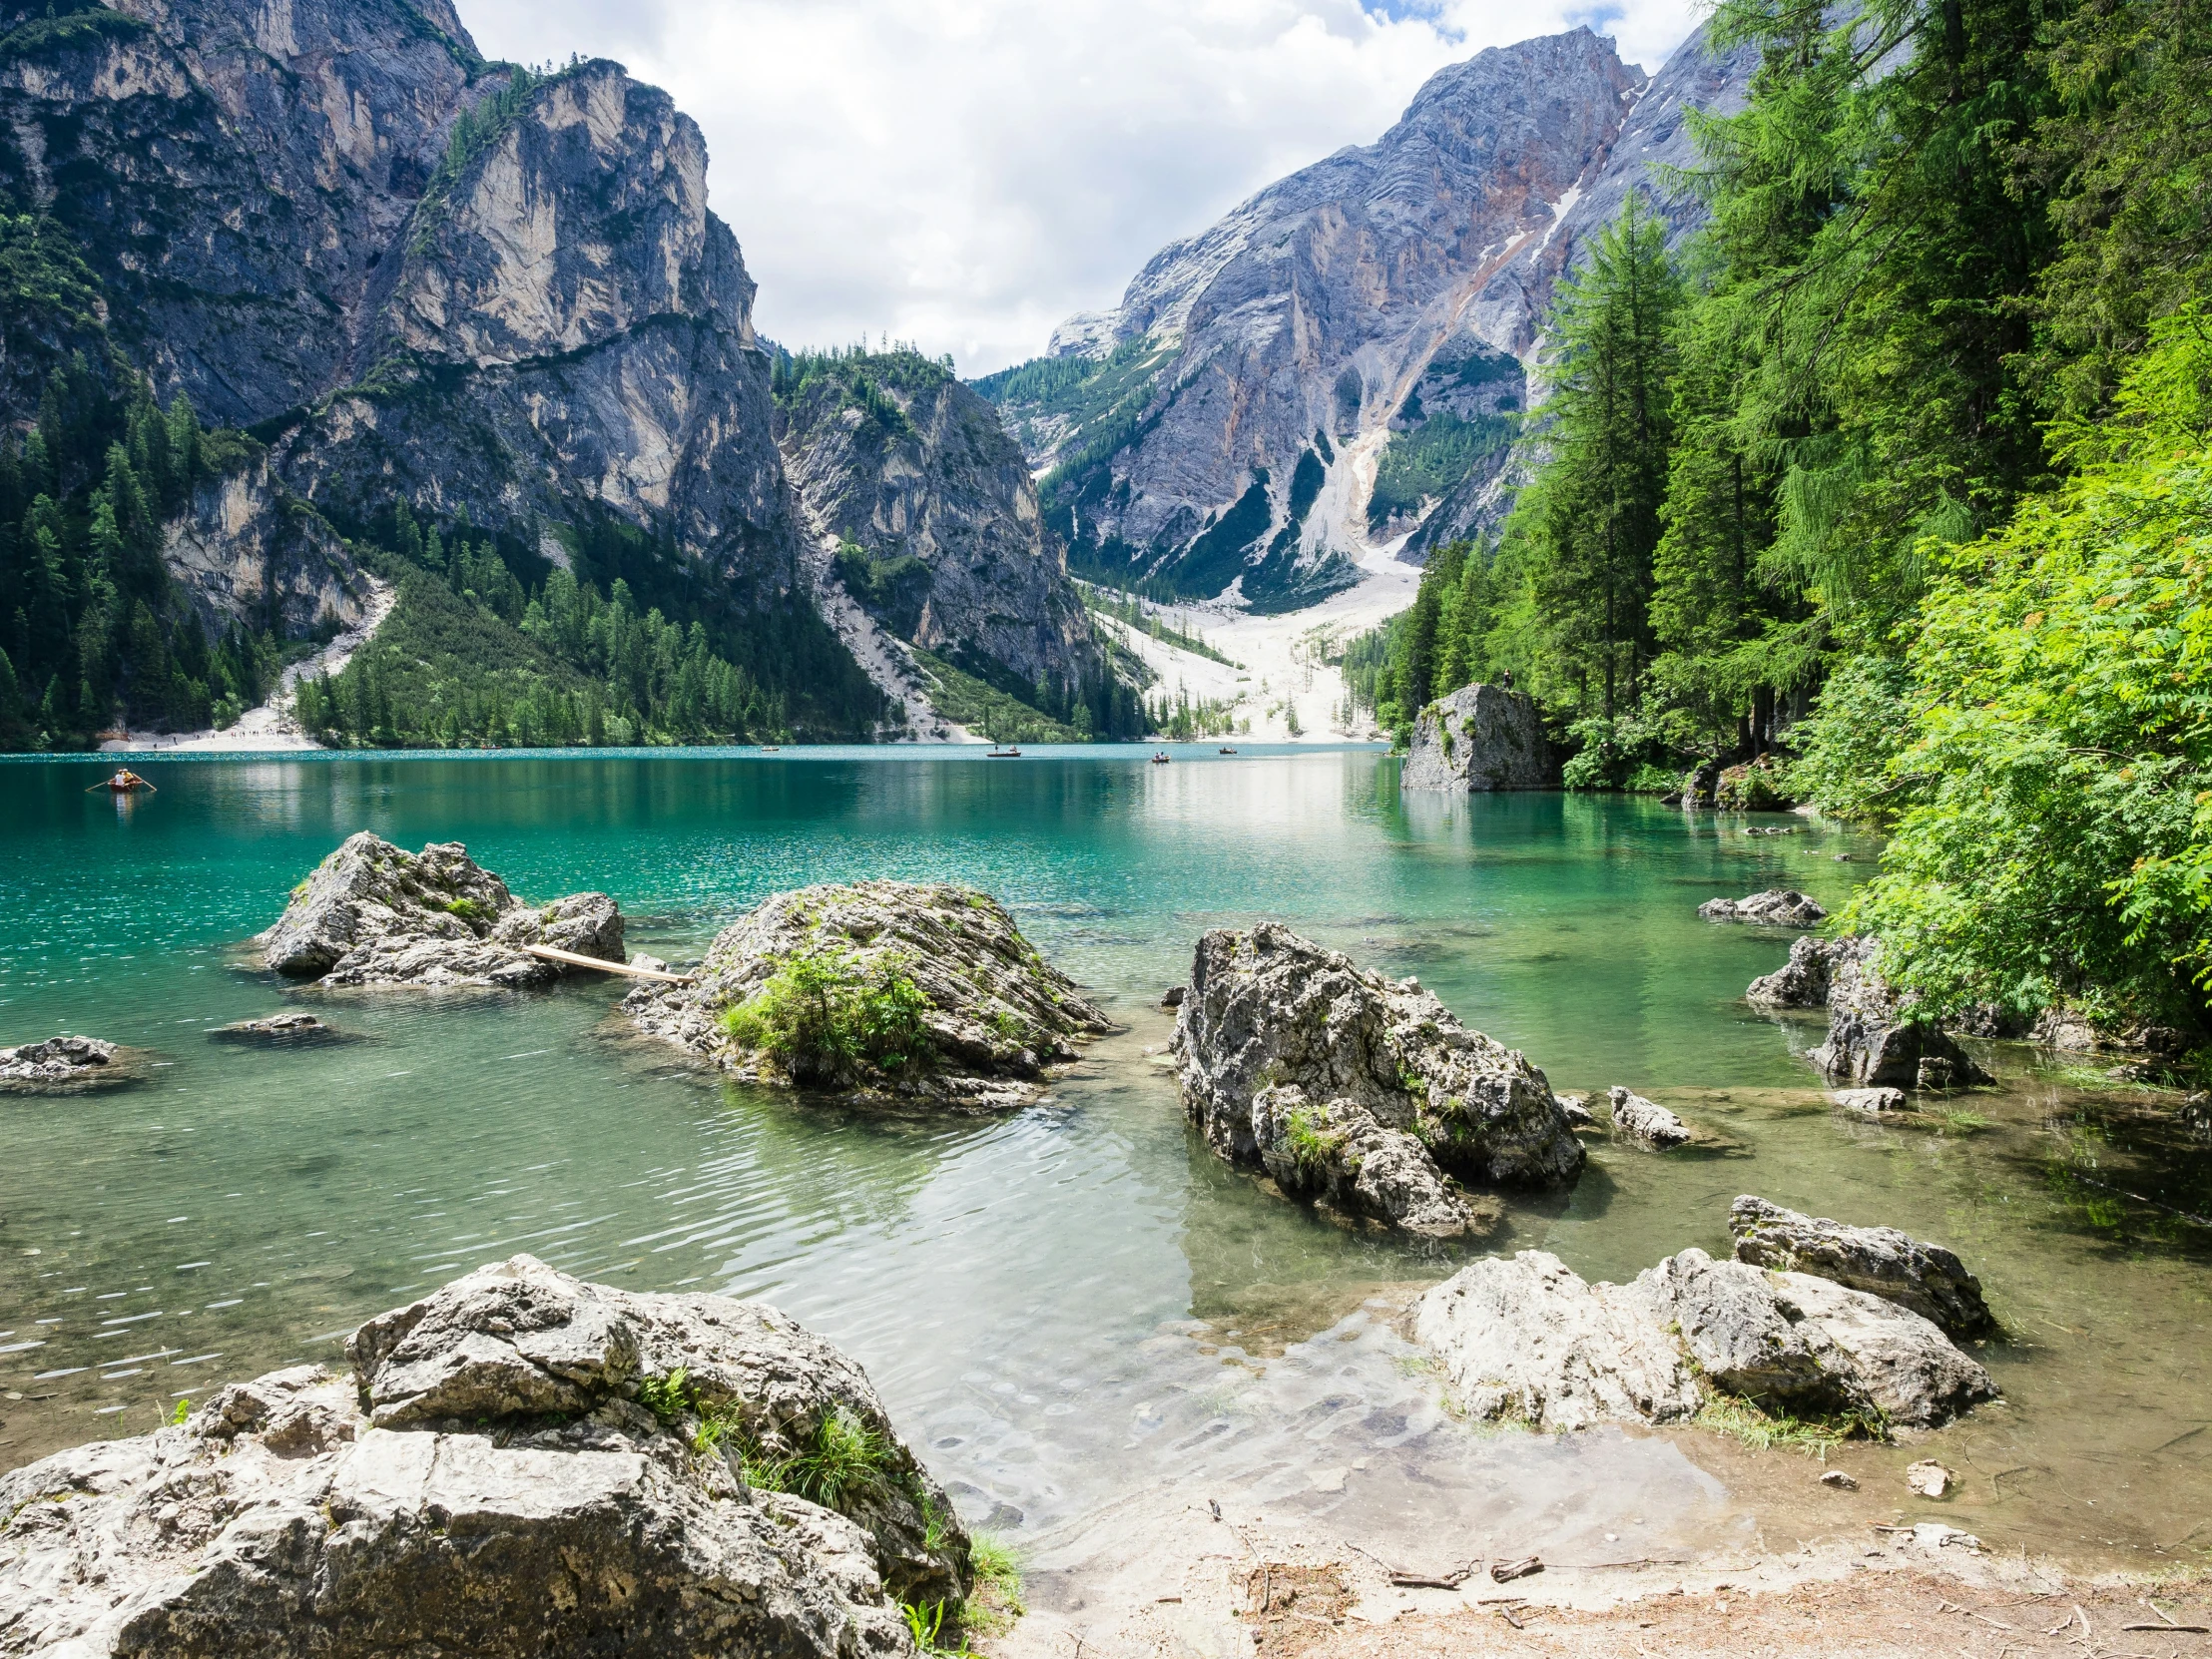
1077, 1299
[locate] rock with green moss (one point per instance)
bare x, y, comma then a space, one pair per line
1266, 1010
372, 914
522, 1466
878, 993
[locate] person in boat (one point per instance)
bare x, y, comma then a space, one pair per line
127, 779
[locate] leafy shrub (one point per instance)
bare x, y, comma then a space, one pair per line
1756, 787
468, 910
2054, 841
1846, 744
826, 1017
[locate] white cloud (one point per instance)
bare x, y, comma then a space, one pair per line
966, 173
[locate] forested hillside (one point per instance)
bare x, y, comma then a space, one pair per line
1896, 478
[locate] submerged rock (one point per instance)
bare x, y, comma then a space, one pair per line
1873, 1037
883, 992
1872, 1103
1268, 1012
279, 1030
1646, 1122
1480, 739
62, 1063
491, 1482
1776, 907
1528, 1340
374, 914
1881, 1260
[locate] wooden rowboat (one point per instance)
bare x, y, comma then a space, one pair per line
125, 782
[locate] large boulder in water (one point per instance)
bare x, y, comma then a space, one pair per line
1881, 1261
1267, 1011
1528, 1340
883, 993
374, 914
523, 1466
1480, 739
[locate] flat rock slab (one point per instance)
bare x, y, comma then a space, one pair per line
1527, 1339
1873, 1103
994, 1019
68, 1065
281, 1032
308, 1515
1881, 1260
1292, 1058
1776, 907
374, 914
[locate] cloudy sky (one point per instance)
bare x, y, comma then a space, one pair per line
966, 173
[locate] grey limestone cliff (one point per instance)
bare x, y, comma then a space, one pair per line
1384, 300
935, 517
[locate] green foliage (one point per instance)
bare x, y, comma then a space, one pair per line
468, 910
473, 658
666, 1397
843, 1459
996, 1601
2053, 836
1761, 1430
1315, 1147
179, 1413
476, 129
92, 628
830, 1019
1847, 745
1002, 718
1580, 540
67, 26
1423, 464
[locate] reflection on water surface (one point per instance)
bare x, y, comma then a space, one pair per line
1076, 1301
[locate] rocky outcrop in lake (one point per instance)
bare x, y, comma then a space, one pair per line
1480, 739
1776, 907
520, 1466
64, 1064
1646, 1122
1881, 1261
887, 993
1293, 1059
1527, 1339
374, 914
1874, 1039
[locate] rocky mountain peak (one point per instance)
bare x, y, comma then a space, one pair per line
1340, 359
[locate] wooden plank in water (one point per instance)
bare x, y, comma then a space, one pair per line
572, 959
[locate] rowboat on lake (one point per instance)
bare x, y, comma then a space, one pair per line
125, 782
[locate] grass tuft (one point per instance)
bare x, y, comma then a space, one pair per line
1762, 1430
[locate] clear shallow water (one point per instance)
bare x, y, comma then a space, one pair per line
1076, 1302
